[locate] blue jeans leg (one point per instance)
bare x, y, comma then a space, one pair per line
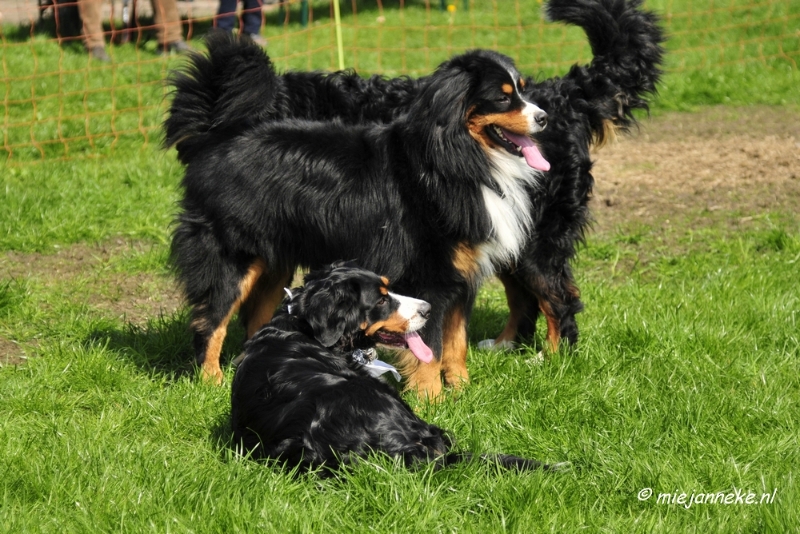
226, 16
252, 16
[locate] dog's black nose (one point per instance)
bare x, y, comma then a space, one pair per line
541, 118
424, 310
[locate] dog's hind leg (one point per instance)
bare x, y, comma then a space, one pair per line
523, 307
267, 293
559, 308
530, 293
212, 316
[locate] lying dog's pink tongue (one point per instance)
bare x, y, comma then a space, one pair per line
531, 152
422, 351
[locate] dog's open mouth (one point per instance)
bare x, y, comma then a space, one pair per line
410, 340
519, 145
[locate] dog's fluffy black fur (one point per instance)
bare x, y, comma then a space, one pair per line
301, 397
433, 199
236, 87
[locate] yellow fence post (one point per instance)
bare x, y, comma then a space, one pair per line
337, 20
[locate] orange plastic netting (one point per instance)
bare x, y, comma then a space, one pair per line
58, 103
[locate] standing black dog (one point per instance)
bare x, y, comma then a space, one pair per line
434, 199
236, 87
302, 394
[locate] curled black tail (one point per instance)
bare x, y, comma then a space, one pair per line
227, 88
628, 54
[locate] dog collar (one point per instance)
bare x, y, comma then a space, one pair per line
368, 359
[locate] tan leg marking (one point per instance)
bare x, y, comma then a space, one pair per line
210, 370
423, 378
553, 326
264, 299
454, 349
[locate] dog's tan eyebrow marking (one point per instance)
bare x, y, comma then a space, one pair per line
507, 88
383, 290
385, 280
522, 83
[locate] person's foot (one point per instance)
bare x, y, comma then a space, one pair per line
98, 53
257, 39
175, 47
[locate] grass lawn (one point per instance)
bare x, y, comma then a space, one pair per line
685, 380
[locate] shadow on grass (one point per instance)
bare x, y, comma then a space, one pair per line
162, 347
488, 322
221, 436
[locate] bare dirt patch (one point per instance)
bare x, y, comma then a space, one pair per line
10, 353
133, 297
744, 160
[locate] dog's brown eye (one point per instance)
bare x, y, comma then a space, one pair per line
504, 100
383, 301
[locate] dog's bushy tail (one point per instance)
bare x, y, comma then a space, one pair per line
226, 88
627, 45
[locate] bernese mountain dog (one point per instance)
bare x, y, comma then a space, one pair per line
235, 88
304, 394
434, 199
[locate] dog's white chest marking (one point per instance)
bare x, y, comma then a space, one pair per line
510, 213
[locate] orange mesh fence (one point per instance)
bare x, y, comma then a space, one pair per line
60, 103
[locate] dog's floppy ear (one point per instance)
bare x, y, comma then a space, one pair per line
438, 118
330, 308
442, 105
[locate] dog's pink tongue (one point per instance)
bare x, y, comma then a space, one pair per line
422, 351
531, 152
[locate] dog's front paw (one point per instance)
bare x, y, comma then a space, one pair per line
455, 376
426, 381
211, 374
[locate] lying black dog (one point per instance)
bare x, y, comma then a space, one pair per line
303, 395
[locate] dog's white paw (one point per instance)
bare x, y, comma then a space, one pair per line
489, 344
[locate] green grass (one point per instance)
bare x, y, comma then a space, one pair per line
685, 379
130, 194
